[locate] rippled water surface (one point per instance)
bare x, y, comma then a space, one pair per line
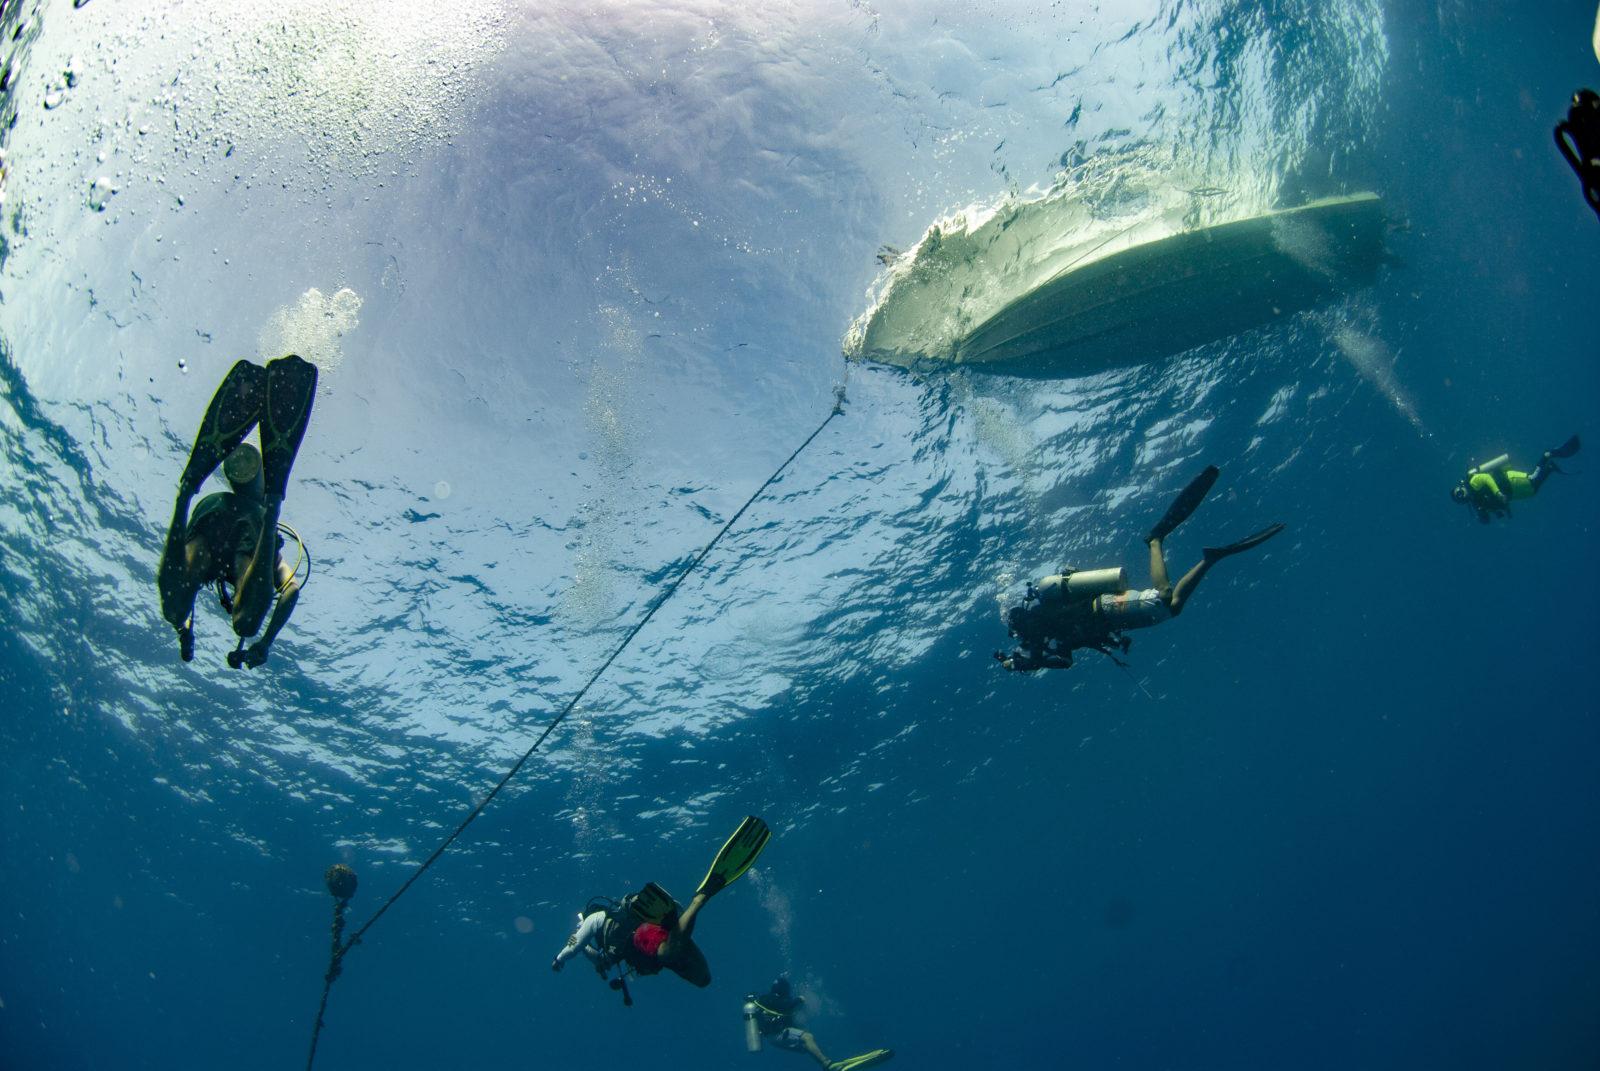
578, 278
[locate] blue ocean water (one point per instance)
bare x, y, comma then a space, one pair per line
577, 276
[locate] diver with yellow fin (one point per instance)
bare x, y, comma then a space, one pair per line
1090, 609
1490, 487
233, 538
772, 1016
647, 931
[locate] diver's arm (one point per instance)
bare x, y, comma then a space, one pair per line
586, 936
685, 921
1023, 661
287, 597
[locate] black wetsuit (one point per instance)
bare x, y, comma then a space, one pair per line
775, 1013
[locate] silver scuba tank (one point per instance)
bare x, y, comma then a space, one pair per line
1079, 584
1491, 465
752, 1033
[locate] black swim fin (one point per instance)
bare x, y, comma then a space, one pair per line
1216, 554
1566, 449
653, 903
233, 412
291, 388
1185, 504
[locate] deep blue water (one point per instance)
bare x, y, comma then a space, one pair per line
1342, 814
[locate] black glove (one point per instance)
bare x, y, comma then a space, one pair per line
186, 643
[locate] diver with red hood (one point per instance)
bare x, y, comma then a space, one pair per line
648, 931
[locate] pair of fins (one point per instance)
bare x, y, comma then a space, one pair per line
738, 854
1188, 501
866, 1059
278, 397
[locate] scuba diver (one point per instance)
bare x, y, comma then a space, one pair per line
1489, 488
648, 930
232, 540
1578, 138
1092, 608
771, 1015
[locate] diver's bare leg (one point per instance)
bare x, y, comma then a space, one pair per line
1186, 586
1158, 567
686, 919
811, 1047
1209, 557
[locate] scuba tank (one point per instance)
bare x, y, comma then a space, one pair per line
1493, 464
752, 1032
1076, 585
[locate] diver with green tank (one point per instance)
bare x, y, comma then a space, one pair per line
233, 537
772, 1016
1090, 609
1488, 489
648, 931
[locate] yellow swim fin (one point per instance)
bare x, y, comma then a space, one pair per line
736, 856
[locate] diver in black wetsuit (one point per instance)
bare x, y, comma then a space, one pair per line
1578, 138
771, 1016
232, 538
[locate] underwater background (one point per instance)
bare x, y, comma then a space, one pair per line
577, 276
